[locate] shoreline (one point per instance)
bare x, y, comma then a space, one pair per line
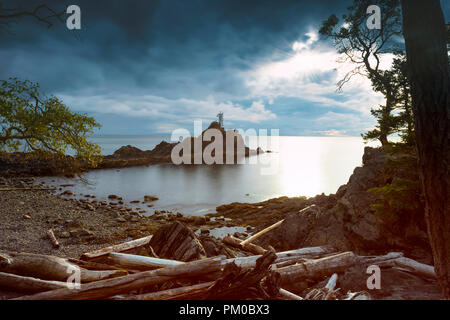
340, 220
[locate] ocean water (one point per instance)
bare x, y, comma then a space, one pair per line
299, 166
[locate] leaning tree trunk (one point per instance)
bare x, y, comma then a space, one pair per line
428, 66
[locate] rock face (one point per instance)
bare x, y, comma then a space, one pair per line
176, 241
311, 226
346, 220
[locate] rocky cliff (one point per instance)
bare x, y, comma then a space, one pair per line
347, 221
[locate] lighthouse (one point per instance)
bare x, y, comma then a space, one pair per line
220, 116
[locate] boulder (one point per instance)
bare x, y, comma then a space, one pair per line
309, 227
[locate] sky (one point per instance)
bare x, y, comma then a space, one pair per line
150, 67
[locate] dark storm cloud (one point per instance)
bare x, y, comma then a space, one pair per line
168, 51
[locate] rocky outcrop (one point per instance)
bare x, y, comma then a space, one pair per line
127, 152
131, 156
346, 220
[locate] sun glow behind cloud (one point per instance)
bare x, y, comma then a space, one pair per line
311, 72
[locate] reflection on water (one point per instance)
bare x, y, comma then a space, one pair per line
306, 166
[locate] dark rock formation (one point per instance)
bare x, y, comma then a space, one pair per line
132, 156
346, 220
127, 152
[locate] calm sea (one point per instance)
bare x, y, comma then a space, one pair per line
301, 166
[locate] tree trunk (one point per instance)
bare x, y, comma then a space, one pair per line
428, 66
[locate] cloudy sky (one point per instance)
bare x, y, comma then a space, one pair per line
148, 67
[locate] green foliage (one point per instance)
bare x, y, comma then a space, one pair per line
400, 199
364, 48
33, 122
394, 84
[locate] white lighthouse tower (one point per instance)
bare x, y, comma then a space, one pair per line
220, 116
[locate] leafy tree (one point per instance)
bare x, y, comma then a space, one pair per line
364, 48
32, 121
401, 122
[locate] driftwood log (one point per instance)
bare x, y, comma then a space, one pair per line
110, 287
412, 266
237, 283
49, 267
122, 247
182, 293
135, 262
178, 242
260, 233
52, 238
250, 247
291, 255
28, 284
287, 295
314, 269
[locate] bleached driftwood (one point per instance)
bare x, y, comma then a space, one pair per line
135, 262
412, 266
331, 284
357, 296
28, 284
121, 247
50, 267
188, 292
52, 239
313, 269
238, 243
332, 264
90, 265
289, 295
110, 287
260, 233
366, 260
311, 252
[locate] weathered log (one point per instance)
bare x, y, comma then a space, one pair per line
188, 292
412, 266
250, 262
50, 268
121, 247
357, 296
178, 242
135, 262
368, 260
260, 233
238, 243
52, 239
313, 269
289, 295
237, 283
144, 263
91, 265
331, 284
28, 284
110, 287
